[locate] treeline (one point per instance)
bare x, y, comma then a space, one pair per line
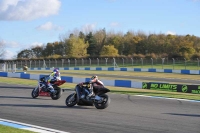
109, 44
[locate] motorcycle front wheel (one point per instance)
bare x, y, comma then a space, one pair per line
103, 103
71, 100
35, 92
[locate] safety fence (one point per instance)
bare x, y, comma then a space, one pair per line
7, 67
158, 63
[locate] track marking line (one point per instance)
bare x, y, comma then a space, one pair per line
29, 127
169, 98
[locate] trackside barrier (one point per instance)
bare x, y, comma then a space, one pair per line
184, 71
116, 83
195, 89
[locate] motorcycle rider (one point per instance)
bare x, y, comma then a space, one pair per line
96, 83
54, 76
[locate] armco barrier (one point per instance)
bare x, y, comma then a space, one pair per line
116, 83
172, 87
184, 71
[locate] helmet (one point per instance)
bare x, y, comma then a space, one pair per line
93, 77
56, 70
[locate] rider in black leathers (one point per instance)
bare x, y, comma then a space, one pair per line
96, 83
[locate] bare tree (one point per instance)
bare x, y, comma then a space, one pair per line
2, 52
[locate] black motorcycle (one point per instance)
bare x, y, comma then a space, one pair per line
80, 97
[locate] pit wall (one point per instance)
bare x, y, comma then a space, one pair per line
183, 71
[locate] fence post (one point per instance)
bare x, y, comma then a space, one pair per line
185, 63
123, 61
106, 60
90, 61
56, 63
198, 63
114, 63
132, 61
82, 62
49, 63
69, 62
163, 60
142, 62
3, 67
62, 61
75, 62
152, 62
173, 62
97, 61
30, 63
14, 68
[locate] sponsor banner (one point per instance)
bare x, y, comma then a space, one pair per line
195, 89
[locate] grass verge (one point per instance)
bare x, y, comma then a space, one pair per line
7, 129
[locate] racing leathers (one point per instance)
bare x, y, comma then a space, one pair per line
54, 76
96, 84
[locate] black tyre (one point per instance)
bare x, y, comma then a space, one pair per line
71, 100
35, 92
104, 103
58, 93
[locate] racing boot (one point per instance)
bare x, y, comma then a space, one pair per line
51, 89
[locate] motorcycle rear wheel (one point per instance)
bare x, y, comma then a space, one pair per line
71, 100
104, 103
35, 92
58, 93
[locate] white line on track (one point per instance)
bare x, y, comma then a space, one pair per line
29, 127
160, 97
168, 98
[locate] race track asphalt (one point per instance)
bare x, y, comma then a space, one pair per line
126, 114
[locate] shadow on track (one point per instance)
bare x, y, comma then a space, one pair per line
190, 115
16, 97
16, 87
43, 106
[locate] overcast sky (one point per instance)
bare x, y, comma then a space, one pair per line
26, 23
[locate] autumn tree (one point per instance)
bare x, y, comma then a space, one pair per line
116, 40
76, 47
109, 50
100, 37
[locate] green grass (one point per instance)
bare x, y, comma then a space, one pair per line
7, 129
